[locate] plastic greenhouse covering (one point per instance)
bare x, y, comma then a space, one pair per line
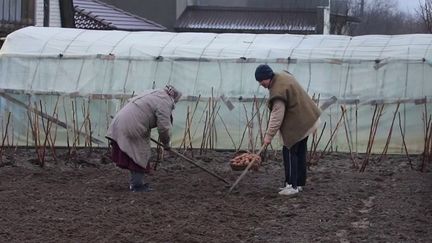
77, 79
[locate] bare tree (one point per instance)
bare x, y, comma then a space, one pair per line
425, 13
385, 18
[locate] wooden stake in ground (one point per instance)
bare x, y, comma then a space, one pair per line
183, 143
246, 127
260, 122
226, 129
190, 125
427, 139
46, 129
347, 137
427, 147
5, 135
373, 129
384, 152
333, 133
315, 141
403, 141
313, 152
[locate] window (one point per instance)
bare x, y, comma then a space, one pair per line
17, 11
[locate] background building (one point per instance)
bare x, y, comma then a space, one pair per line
242, 16
83, 14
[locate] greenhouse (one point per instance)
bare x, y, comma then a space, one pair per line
62, 86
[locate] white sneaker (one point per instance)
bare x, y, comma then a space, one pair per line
289, 191
286, 186
300, 189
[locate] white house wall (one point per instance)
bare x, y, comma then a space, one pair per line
54, 12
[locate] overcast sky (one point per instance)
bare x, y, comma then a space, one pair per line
409, 5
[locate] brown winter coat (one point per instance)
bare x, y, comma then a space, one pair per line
301, 112
131, 126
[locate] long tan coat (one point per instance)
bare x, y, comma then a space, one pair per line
301, 112
132, 125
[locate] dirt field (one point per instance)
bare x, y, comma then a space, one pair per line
87, 200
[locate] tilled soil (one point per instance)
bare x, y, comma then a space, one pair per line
86, 199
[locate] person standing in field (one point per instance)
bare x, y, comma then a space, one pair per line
295, 115
130, 130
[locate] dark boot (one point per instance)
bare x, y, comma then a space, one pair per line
137, 184
141, 188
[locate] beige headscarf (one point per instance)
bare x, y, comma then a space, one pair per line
173, 92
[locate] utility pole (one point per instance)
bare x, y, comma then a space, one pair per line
327, 13
46, 10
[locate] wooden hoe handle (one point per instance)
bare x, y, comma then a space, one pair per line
192, 162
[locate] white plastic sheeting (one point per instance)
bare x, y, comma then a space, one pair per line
96, 67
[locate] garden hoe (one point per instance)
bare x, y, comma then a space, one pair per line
192, 162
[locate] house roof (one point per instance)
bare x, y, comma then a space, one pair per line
219, 19
93, 14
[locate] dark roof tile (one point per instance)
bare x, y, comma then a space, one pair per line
219, 19
109, 17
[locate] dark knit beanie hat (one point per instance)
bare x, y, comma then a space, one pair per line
263, 72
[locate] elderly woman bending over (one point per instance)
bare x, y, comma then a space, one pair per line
130, 129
